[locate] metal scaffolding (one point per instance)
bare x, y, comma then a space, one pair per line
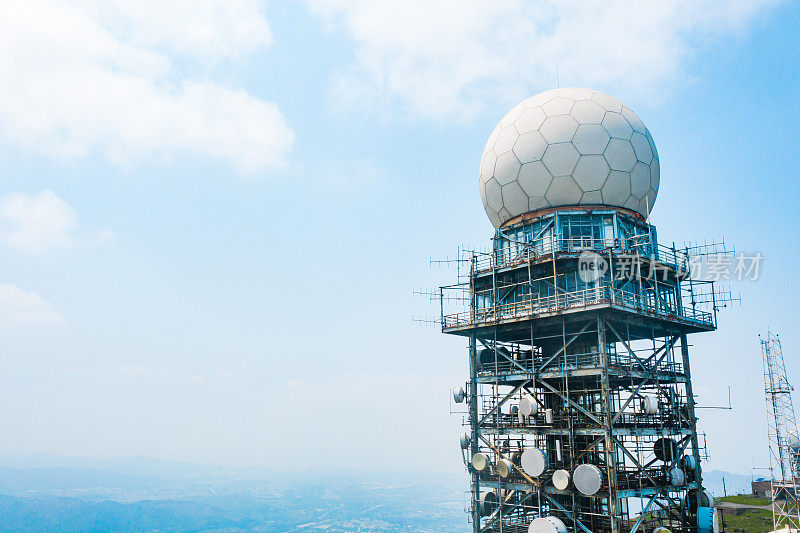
784, 441
579, 401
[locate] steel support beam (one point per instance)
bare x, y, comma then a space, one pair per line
607, 401
473, 420
698, 472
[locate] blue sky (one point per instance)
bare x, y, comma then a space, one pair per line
213, 214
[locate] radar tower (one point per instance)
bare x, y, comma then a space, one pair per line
579, 402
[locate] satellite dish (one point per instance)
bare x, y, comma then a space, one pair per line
533, 461
548, 524
505, 467
458, 394
676, 477
665, 449
488, 503
487, 356
649, 405
706, 498
561, 479
465, 441
527, 406
480, 461
588, 479
696, 498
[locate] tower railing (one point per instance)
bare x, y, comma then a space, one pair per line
543, 248
575, 361
527, 307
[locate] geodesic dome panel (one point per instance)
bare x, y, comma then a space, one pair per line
568, 147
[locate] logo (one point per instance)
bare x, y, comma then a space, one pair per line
591, 267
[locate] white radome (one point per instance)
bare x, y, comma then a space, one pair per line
568, 147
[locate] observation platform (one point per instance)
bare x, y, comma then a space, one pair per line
659, 258
619, 366
602, 297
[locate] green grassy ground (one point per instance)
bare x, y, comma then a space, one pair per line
750, 521
746, 499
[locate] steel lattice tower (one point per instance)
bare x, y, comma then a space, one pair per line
784, 441
579, 402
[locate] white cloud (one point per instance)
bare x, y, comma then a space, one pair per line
37, 222
111, 76
359, 174
20, 308
43, 222
210, 29
448, 58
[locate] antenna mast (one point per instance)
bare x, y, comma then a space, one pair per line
784, 441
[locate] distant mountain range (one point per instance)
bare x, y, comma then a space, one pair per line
45, 493
49, 493
73, 514
139, 465
734, 483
